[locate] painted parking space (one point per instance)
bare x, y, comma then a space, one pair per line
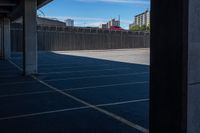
75, 94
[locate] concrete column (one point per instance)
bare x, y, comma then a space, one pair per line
169, 66
193, 114
175, 67
1, 39
30, 37
7, 38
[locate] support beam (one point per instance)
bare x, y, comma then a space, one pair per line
42, 3
18, 9
30, 37
6, 38
5, 10
7, 3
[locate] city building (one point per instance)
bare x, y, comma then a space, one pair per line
69, 22
143, 18
103, 26
111, 23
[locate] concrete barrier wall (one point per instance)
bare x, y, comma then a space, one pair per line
66, 38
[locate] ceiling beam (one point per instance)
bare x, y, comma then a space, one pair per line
4, 11
17, 11
42, 3
7, 3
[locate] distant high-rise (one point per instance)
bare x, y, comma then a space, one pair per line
111, 23
103, 26
143, 19
69, 22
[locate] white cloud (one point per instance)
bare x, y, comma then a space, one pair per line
146, 2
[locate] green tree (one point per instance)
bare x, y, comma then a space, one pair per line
140, 28
135, 28
143, 28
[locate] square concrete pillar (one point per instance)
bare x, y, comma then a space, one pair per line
193, 112
6, 38
175, 67
30, 37
169, 63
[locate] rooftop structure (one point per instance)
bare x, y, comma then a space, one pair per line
42, 21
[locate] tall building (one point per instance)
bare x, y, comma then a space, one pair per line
143, 19
113, 22
103, 26
69, 22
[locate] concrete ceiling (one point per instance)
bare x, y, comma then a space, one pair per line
14, 8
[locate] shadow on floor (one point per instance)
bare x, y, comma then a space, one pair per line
117, 87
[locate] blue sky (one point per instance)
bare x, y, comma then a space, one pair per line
95, 12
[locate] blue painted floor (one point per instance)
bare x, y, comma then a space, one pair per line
29, 106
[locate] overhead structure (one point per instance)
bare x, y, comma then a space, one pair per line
11, 10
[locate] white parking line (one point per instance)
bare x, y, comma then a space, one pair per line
99, 76
62, 72
15, 65
15, 83
73, 89
114, 116
74, 78
41, 113
121, 103
71, 109
8, 70
109, 85
25, 93
9, 76
64, 67
53, 64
